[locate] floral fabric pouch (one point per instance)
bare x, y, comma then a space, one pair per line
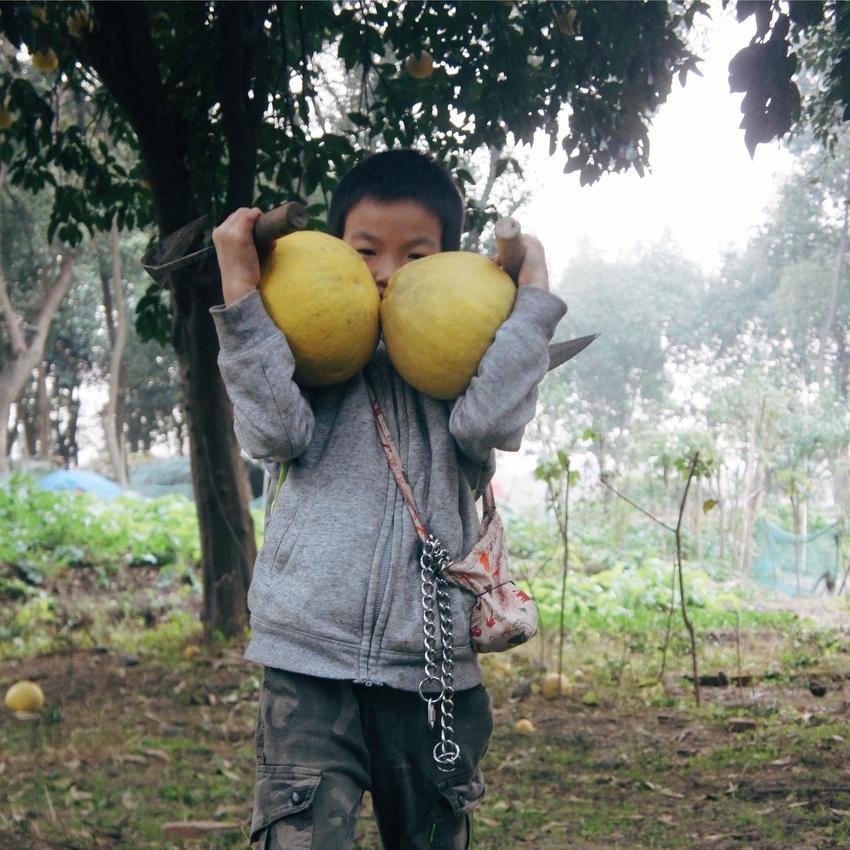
503, 615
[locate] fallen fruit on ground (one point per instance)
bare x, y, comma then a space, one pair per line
192, 650
439, 315
320, 293
555, 685
420, 65
24, 696
524, 725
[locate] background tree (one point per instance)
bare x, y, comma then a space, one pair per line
218, 104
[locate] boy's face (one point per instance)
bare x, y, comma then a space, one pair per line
389, 234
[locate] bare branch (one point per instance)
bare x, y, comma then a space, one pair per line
636, 505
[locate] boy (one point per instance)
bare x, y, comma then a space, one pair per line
335, 600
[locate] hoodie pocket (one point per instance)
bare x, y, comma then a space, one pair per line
264, 567
283, 807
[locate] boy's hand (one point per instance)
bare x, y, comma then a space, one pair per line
237, 254
533, 271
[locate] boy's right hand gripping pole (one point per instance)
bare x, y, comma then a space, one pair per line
509, 246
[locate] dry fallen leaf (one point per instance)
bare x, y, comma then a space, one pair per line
198, 828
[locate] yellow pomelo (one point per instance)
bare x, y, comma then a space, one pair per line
525, 725
320, 293
555, 685
439, 315
24, 696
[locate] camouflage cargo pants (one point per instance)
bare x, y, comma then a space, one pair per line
322, 742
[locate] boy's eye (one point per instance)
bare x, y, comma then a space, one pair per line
366, 252
415, 256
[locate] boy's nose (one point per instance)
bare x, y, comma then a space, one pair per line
382, 271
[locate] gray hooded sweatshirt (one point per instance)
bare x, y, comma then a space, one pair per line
335, 591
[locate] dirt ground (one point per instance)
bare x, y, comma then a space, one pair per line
127, 745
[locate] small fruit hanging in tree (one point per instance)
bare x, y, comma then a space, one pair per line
320, 293
46, 61
420, 65
439, 315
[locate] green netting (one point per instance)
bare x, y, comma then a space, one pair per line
794, 563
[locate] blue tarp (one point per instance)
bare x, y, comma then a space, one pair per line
80, 481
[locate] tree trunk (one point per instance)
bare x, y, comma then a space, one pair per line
44, 441
837, 276
123, 52
697, 513
839, 467
11, 432
218, 474
796, 517
116, 322
66, 437
27, 413
27, 353
721, 513
753, 488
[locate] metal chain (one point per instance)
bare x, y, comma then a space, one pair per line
427, 576
433, 562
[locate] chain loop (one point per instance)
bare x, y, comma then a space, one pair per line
433, 562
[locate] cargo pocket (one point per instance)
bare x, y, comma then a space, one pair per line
283, 807
464, 795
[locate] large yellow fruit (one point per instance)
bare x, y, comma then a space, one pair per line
320, 293
24, 696
440, 314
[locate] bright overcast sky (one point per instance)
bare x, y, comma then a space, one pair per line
703, 192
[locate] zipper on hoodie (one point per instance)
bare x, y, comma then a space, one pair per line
386, 559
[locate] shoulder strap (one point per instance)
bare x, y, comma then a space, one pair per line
394, 460
397, 468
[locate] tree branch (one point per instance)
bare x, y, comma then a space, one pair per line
13, 321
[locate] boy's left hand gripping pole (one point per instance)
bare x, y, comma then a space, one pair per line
170, 254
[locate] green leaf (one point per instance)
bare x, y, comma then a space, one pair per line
708, 504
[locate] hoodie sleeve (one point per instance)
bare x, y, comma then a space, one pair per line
272, 419
502, 397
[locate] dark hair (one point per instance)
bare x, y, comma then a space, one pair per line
401, 175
